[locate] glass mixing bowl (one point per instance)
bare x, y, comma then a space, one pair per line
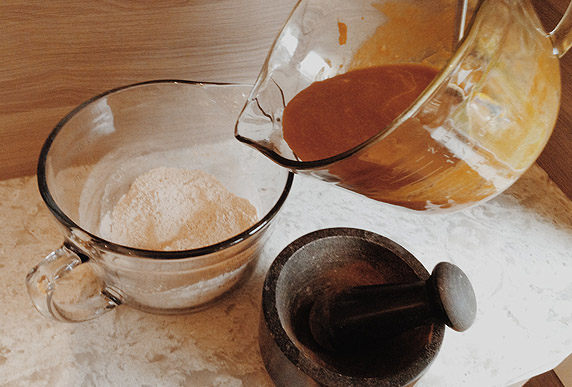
90, 160
474, 130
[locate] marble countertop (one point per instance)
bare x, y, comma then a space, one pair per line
516, 248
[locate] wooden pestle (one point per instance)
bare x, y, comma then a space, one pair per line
343, 319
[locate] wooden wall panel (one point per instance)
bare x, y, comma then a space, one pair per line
557, 156
56, 54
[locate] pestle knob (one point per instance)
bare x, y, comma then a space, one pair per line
342, 319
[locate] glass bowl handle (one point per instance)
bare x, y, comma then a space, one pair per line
561, 35
43, 279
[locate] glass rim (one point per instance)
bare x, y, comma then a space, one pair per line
443, 74
113, 247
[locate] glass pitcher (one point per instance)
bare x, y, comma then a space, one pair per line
471, 133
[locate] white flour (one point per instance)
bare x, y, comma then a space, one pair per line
176, 209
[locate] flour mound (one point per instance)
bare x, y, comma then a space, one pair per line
178, 209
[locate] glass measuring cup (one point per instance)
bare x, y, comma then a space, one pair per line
475, 129
90, 160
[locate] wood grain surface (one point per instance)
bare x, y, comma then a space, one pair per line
56, 54
556, 159
547, 379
